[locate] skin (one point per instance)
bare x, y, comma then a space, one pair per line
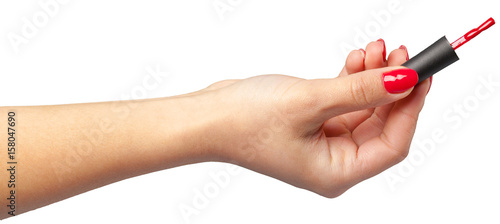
323, 135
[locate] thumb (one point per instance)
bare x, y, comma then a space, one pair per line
362, 90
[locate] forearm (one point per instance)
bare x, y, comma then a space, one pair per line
65, 150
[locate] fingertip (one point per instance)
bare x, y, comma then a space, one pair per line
355, 61
384, 52
417, 95
375, 55
397, 57
425, 86
403, 47
399, 80
363, 52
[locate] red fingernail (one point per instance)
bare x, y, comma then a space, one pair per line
430, 84
362, 51
384, 52
364, 54
406, 50
400, 80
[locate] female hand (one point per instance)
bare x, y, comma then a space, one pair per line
324, 135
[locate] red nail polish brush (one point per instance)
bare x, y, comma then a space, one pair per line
441, 53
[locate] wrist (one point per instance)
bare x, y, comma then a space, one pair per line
201, 126
170, 132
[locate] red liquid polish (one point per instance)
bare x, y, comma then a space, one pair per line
441, 53
473, 33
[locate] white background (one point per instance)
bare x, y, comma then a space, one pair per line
91, 51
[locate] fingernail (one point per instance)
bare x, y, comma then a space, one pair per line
384, 52
400, 80
362, 51
430, 84
406, 50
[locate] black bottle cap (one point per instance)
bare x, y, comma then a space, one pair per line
431, 60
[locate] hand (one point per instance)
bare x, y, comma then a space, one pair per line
324, 135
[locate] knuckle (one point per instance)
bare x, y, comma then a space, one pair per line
310, 99
398, 153
332, 192
401, 155
220, 84
361, 93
